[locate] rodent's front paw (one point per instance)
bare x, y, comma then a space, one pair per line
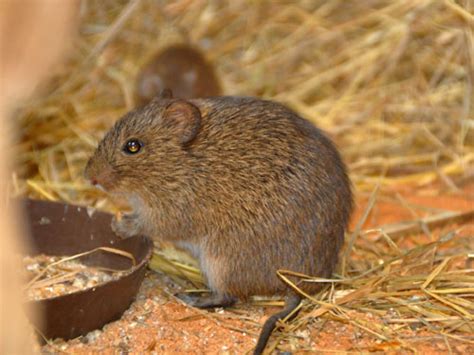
127, 225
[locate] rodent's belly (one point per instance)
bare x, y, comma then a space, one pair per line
193, 248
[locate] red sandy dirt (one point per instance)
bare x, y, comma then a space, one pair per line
159, 323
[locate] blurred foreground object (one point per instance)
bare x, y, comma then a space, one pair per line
33, 35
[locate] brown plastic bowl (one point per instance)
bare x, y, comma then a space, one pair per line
62, 229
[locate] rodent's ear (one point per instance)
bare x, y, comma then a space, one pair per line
185, 117
166, 94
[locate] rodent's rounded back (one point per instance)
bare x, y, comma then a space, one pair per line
272, 182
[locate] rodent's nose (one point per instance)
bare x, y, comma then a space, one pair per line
102, 179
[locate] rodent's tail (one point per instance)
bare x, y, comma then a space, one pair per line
290, 304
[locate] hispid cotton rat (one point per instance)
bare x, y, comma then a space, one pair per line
246, 185
182, 69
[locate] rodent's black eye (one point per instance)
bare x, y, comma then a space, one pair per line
132, 146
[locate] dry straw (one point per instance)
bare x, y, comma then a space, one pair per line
391, 81
57, 276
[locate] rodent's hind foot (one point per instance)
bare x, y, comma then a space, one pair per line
213, 300
189, 297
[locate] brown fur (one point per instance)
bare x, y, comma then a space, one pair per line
256, 189
181, 68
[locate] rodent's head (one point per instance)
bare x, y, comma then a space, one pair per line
146, 150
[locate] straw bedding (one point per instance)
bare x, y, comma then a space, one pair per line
390, 81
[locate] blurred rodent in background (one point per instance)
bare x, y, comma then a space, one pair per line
181, 68
246, 185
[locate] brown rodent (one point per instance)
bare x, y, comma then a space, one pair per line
245, 185
180, 68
